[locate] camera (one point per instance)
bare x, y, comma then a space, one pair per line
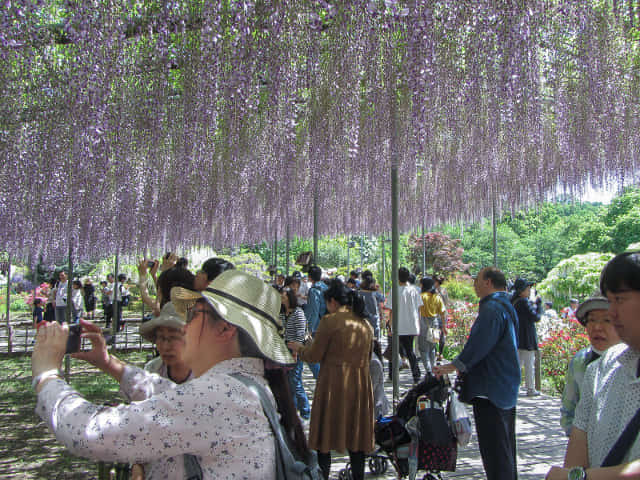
73, 342
150, 263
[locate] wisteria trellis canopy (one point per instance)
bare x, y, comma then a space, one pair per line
127, 125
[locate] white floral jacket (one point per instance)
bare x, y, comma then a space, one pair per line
214, 417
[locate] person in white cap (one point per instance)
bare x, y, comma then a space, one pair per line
231, 330
593, 314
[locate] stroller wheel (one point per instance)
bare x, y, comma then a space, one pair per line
345, 474
378, 465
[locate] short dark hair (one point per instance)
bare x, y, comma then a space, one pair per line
403, 274
427, 285
215, 266
122, 277
498, 280
315, 273
291, 279
353, 273
621, 273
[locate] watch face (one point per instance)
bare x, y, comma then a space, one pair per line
577, 473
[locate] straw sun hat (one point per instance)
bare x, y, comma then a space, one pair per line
168, 318
246, 302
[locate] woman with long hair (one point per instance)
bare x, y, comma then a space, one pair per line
342, 415
215, 420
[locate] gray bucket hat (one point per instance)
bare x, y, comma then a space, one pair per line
590, 304
168, 318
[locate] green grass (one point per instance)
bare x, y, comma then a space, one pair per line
30, 449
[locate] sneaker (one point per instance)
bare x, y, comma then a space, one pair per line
533, 393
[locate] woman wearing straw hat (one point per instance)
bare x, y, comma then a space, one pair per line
342, 414
231, 328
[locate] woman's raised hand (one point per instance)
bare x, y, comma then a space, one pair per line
98, 356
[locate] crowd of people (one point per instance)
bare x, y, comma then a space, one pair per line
187, 408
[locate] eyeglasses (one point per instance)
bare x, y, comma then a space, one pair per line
193, 312
169, 340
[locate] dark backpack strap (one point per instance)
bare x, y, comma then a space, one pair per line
192, 469
624, 442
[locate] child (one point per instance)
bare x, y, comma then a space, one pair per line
37, 312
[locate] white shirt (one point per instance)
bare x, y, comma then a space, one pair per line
409, 303
609, 398
61, 294
214, 416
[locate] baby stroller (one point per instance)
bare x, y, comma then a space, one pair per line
419, 437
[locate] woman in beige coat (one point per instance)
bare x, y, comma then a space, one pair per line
342, 415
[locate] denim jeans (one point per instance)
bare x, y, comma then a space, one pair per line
300, 400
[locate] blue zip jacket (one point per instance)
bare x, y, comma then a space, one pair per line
316, 306
490, 356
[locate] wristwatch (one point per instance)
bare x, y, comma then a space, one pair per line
577, 473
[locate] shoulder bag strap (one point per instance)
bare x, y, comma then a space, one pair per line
192, 467
270, 412
624, 442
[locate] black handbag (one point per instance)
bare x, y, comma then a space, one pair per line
433, 426
461, 387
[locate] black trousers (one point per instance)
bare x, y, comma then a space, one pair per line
406, 347
108, 314
496, 429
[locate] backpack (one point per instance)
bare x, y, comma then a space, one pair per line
288, 466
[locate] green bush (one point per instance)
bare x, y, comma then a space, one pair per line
18, 304
461, 289
577, 276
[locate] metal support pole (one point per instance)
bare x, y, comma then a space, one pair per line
361, 251
348, 259
395, 240
9, 332
116, 308
315, 227
67, 312
384, 266
424, 253
495, 233
286, 252
275, 254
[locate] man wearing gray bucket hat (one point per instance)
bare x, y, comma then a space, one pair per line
594, 316
231, 329
166, 332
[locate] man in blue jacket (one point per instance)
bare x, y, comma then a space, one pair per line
489, 361
315, 308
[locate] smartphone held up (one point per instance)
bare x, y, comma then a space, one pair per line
74, 340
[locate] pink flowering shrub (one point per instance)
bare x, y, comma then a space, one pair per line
557, 350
